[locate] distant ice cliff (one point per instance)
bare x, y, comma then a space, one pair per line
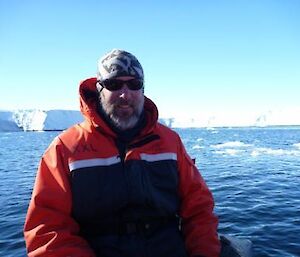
38, 120
41, 120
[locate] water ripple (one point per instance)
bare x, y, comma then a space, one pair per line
254, 175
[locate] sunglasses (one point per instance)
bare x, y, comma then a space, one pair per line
117, 84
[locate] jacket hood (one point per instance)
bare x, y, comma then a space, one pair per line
89, 102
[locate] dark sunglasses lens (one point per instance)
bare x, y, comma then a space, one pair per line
135, 84
115, 84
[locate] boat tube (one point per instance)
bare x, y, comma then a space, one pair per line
235, 247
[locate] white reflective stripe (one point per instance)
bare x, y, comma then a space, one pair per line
158, 157
94, 162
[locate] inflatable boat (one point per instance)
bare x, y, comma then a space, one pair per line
235, 247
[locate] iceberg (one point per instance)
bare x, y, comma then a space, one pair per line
38, 120
7, 122
51, 120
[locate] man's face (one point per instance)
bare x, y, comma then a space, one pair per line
123, 106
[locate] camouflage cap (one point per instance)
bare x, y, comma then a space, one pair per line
118, 63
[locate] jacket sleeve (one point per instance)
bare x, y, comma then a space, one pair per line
49, 229
199, 224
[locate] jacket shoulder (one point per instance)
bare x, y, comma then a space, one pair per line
163, 129
72, 135
169, 137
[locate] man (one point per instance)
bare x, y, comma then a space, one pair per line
120, 183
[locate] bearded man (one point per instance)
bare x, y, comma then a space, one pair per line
119, 184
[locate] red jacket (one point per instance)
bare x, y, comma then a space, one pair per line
61, 198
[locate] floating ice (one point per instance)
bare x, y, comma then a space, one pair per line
230, 144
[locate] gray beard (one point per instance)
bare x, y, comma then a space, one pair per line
121, 122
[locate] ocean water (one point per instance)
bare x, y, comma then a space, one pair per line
254, 174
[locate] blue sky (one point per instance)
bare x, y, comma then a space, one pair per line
198, 56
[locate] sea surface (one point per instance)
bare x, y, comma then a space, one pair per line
254, 174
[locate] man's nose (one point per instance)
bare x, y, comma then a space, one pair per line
124, 91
